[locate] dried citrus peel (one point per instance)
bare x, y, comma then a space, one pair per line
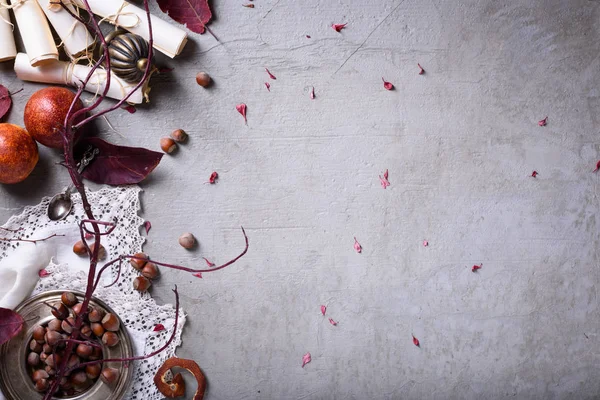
176, 386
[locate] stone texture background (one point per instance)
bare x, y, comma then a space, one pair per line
460, 143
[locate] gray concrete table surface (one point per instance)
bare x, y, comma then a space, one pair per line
460, 143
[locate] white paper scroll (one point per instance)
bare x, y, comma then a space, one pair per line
8, 51
74, 35
168, 39
35, 31
66, 73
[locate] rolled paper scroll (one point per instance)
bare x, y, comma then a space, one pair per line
35, 31
66, 73
167, 38
8, 50
74, 35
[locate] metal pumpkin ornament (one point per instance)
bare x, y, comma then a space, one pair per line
128, 55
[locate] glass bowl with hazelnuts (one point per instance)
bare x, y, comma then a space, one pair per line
31, 362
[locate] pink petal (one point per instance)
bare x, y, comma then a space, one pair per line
198, 274
385, 174
42, 273
332, 322
323, 309
476, 267
159, 327
270, 74
338, 27
130, 109
597, 167
88, 236
357, 246
384, 182
312, 93
543, 122
268, 86
209, 263
425, 243
387, 85
421, 70
308, 36
306, 359
242, 110
416, 341
147, 226
534, 174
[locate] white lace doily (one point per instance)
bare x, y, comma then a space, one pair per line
139, 312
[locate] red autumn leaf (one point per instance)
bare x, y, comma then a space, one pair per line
5, 101
270, 74
323, 309
42, 273
194, 14
416, 341
387, 85
312, 93
338, 27
476, 267
597, 167
198, 275
130, 109
11, 324
159, 327
534, 174
332, 322
306, 359
147, 226
421, 70
208, 262
543, 122
357, 246
242, 110
268, 86
118, 165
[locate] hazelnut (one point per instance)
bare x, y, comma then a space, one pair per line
43, 357
68, 299
203, 79
50, 371
38, 333
110, 339
39, 374
53, 360
79, 379
67, 325
86, 330
150, 270
60, 311
179, 135
65, 384
96, 354
139, 262
79, 248
84, 350
93, 371
141, 284
187, 240
35, 346
73, 361
41, 385
96, 315
33, 359
52, 338
101, 251
97, 329
47, 349
76, 308
110, 322
167, 145
109, 375
55, 325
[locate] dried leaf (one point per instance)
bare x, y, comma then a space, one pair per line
338, 27
597, 167
306, 359
357, 246
42, 273
130, 108
208, 262
268, 86
387, 85
534, 174
11, 324
198, 275
332, 322
323, 309
308, 36
476, 267
421, 70
270, 74
312, 93
416, 341
159, 327
194, 14
425, 243
5, 101
248, 5
118, 165
213, 178
543, 122
147, 226
242, 110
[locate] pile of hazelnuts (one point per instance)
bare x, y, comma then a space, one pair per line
48, 342
149, 272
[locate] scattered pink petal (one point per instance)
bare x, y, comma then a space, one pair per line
306, 359
312, 93
159, 327
543, 122
270, 74
88, 236
534, 174
357, 246
332, 322
242, 110
416, 341
386, 174
476, 267
323, 309
268, 86
387, 85
597, 167
308, 36
248, 5
42, 273
208, 262
338, 27
198, 274
384, 180
213, 178
421, 70
130, 109
425, 243
147, 226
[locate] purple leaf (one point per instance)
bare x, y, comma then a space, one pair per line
147, 226
5, 101
11, 324
195, 14
118, 165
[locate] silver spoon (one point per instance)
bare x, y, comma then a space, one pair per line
60, 205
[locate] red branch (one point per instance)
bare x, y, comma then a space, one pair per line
30, 240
